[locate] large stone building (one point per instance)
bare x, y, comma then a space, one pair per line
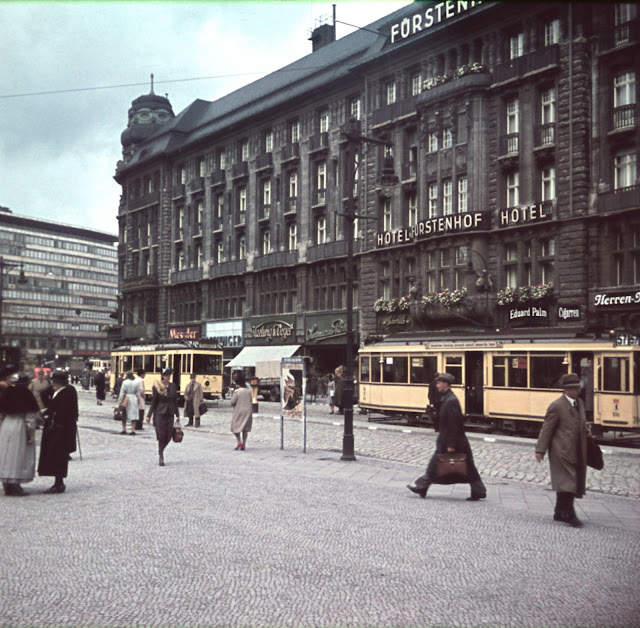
70, 292
514, 133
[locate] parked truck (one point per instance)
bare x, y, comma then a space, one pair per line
76, 366
269, 375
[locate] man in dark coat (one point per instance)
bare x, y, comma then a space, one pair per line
564, 436
450, 439
433, 409
59, 432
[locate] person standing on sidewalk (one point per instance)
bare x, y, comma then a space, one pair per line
59, 432
242, 416
331, 391
139, 380
100, 381
450, 439
131, 391
18, 422
193, 397
41, 390
564, 436
163, 408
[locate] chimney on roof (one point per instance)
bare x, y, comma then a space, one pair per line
324, 33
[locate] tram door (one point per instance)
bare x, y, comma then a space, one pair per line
474, 382
177, 370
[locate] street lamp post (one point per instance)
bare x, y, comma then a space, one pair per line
21, 280
351, 131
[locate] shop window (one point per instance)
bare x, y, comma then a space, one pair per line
394, 369
423, 370
518, 370
616, 374
546, 370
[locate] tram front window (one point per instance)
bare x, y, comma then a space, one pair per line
364, 369
546, 370
423, 370
209, 364
395, 370
616, 374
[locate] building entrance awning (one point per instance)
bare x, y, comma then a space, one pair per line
249, 356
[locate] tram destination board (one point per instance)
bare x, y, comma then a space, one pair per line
627, 340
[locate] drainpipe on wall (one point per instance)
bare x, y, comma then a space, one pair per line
570, 109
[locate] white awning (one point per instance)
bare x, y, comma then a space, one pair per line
249, 356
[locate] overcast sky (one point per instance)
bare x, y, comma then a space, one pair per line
58, 151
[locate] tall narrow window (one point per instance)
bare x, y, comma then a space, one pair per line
551, 32
413, 210
242, 247
387, 223
294, 130
624, 12
513, 116
293, 237
516, 45
390, 89
625, 171
548, 184
321, 230
183, 174
324, 121
180, 233
433, 142
462, 195
354, 108
511, 265
447, 197
433, 200
293, 191
513, 189
624, 89
219, 252
268, 142
266, 198
242, 204
219, 206
198, 255
222, 158
266, 242
416, 84
201, 166
244, 150
548, 102
199, 216
321, 181
447, 138
180, 259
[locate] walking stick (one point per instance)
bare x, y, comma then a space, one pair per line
78, 439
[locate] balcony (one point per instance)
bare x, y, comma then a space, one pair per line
234, 267
545, 134
239, 170
619, 200
469, 82
265, 213
139, 281
535, 61
330, 250
177, 191
276, 260
218, 224
625, 117
291, 152
409, 171
143, 201
509, 144
394, 111
185, 275
319, 198
319, 142
622, 35
263, 162
290, 205
218, 177
197, 185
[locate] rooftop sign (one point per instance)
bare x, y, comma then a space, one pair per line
434, 15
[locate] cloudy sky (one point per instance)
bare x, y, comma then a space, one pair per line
60, 137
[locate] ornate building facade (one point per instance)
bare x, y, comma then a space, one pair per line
514, 133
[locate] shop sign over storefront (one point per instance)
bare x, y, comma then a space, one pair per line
276, 331
224, 334
604, 299
190, 332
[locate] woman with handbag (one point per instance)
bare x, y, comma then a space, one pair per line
242, 416
128, 397
452, 462
18, 421
163, 408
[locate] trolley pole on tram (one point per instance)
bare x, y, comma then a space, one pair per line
351, 131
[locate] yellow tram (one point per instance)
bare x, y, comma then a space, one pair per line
501, 382
153, 359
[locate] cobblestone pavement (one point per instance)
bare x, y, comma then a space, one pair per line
280, 538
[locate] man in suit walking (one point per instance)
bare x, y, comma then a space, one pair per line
59, 432
564, 436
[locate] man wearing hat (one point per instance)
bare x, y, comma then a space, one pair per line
59, 432
450, 439
564, 436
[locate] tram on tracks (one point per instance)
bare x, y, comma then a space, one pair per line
207, 364
503, 383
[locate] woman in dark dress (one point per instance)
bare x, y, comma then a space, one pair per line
100, 382
163, 408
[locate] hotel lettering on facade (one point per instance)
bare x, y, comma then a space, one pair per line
515, 140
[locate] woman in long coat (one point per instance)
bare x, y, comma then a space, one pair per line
59, 432
100, 381
564, 436
131, 390
18, 421
163, 408
242, 416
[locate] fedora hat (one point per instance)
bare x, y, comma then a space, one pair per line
568, 380
60, 376
446, 377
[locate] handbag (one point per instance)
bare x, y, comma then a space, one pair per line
451, 464
202, 408
594, 455
177, 435
120, 411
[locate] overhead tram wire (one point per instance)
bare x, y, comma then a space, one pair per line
183, 80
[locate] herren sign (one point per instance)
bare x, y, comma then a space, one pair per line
602, 299
472, 221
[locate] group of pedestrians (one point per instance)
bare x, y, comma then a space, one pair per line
23, 406
563, 436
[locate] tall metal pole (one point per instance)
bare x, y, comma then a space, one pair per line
349, 216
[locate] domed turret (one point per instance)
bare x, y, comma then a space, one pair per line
147, 114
